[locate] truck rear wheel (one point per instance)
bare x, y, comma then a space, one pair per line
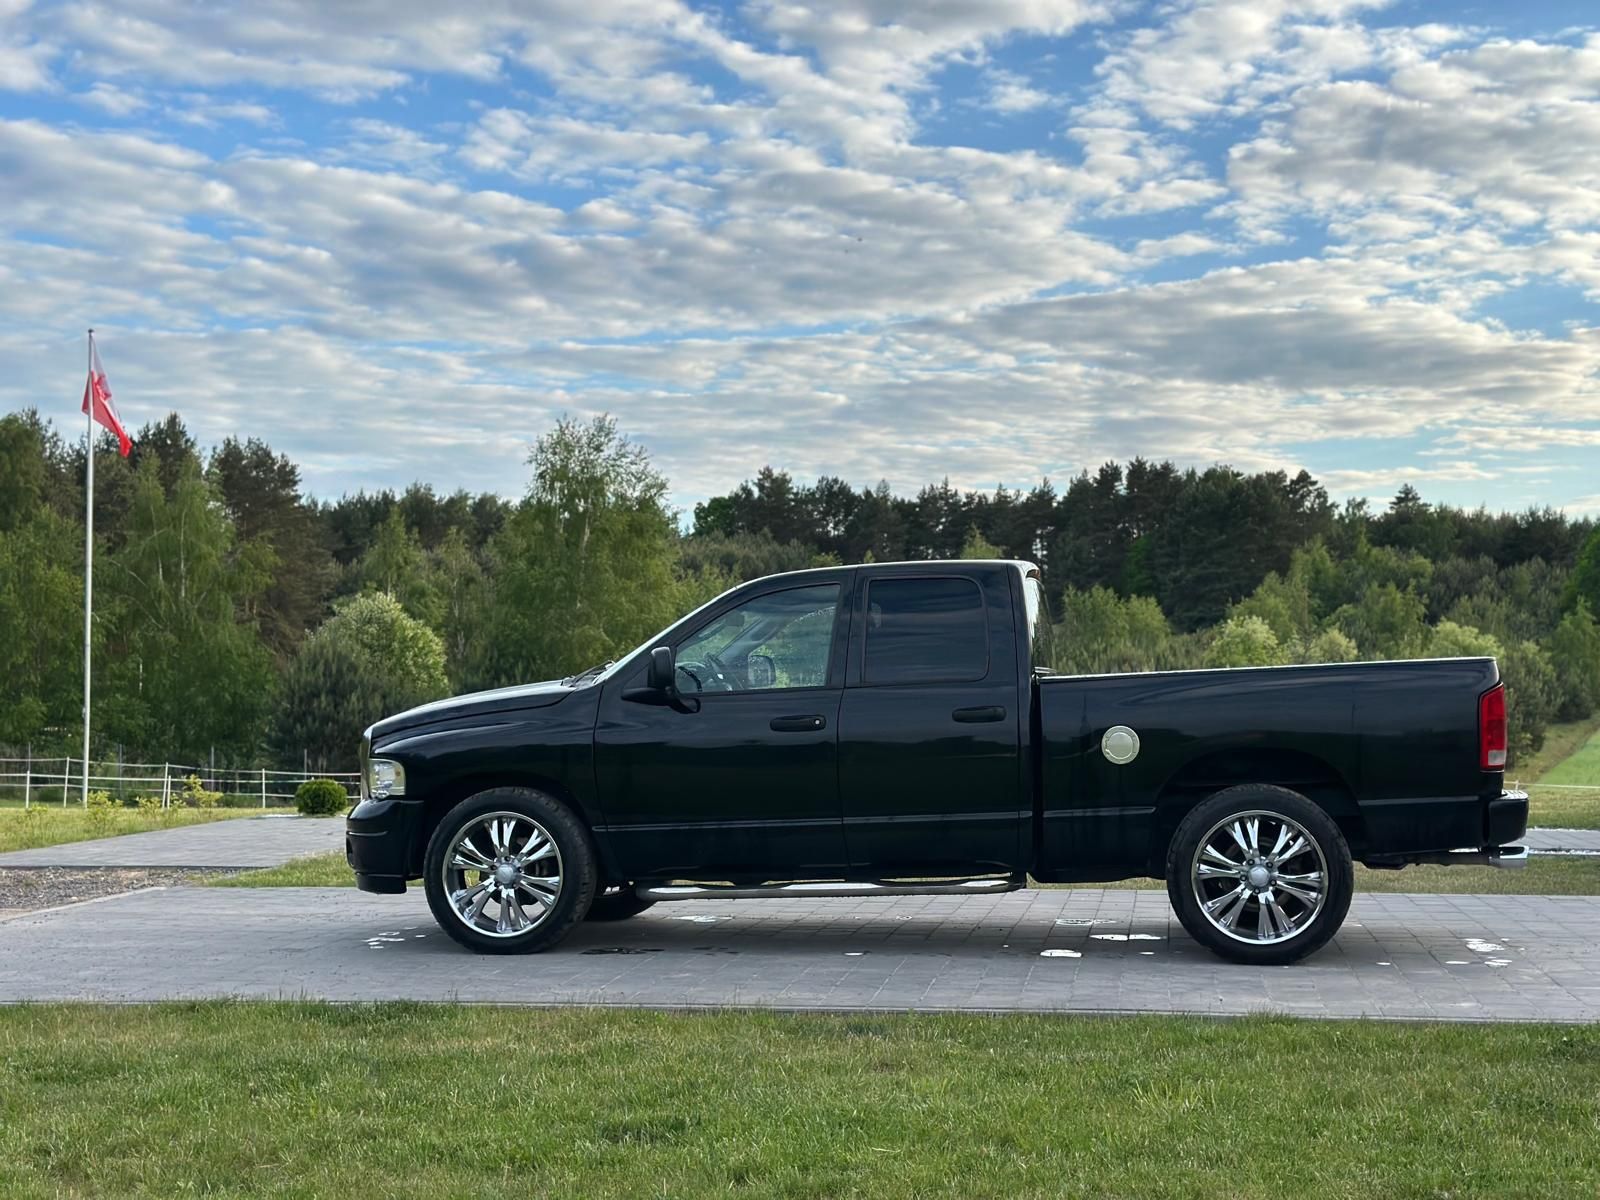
509, 871
1260, 874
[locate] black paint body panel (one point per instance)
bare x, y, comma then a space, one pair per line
1391, 749
928, 772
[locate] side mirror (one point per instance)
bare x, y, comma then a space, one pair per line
662, 673
660, 681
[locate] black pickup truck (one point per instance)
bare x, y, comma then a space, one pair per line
889, 728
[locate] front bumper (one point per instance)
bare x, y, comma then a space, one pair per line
378, 838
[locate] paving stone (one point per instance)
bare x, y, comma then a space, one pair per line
1399, 956
236, 842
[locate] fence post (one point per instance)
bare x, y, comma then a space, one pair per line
66, 778
166, 785
27, 787
263, 787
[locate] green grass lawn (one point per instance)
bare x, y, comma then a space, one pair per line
1541, 877
301, 1099
1563, 808
52, 825
1561, 741
1581, 767
1578, 766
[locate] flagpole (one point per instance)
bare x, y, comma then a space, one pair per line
88, 565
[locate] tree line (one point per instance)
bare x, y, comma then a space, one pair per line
236, 615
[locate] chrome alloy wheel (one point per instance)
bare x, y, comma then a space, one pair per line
502, 873
1259, 877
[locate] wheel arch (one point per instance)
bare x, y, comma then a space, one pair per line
1214, 770
442, 799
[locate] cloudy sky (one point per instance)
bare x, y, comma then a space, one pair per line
982, 239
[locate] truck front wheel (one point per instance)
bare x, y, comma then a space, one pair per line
1260, 874
509, 871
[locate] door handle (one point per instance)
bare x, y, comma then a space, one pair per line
980, 715
805, 724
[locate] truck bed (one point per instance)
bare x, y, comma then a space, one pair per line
1322, 730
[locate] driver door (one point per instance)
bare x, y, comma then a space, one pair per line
741, 780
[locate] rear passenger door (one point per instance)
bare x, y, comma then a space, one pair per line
929, 769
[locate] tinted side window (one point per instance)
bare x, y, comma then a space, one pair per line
925, 631
780, 640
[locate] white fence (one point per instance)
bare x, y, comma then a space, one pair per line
59, 781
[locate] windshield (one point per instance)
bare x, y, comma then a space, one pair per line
656, 639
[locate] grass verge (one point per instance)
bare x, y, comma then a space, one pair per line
1581, 767
1541, 877
314, 870
313, 1100
1563, 808
1570, 759
1561, 742
45, 825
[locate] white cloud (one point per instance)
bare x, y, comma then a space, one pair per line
112, 100
24, 55
207, 112
1387, 479
1011, 93
730, 229
1505, 133
1211, 55
383, 142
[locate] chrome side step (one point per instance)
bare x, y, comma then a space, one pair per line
934, 887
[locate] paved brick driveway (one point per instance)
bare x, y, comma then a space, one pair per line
1399, 956
236, 842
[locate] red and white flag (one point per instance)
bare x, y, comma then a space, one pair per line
97, 392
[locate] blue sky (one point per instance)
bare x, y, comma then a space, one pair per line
988, 240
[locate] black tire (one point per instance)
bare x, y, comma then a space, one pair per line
573, 857
1272, 923
618, 904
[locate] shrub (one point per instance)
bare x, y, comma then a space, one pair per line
101, 807
1244, 642
1101, 631
321, 798
1385, 623
1451, 640
1575, 649
150, 806
1330, 646
1532, 696
196, 795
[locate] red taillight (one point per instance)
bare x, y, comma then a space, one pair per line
1492, 729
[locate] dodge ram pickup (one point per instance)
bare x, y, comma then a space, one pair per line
893, 728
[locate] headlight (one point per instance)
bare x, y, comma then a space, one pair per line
385, 778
